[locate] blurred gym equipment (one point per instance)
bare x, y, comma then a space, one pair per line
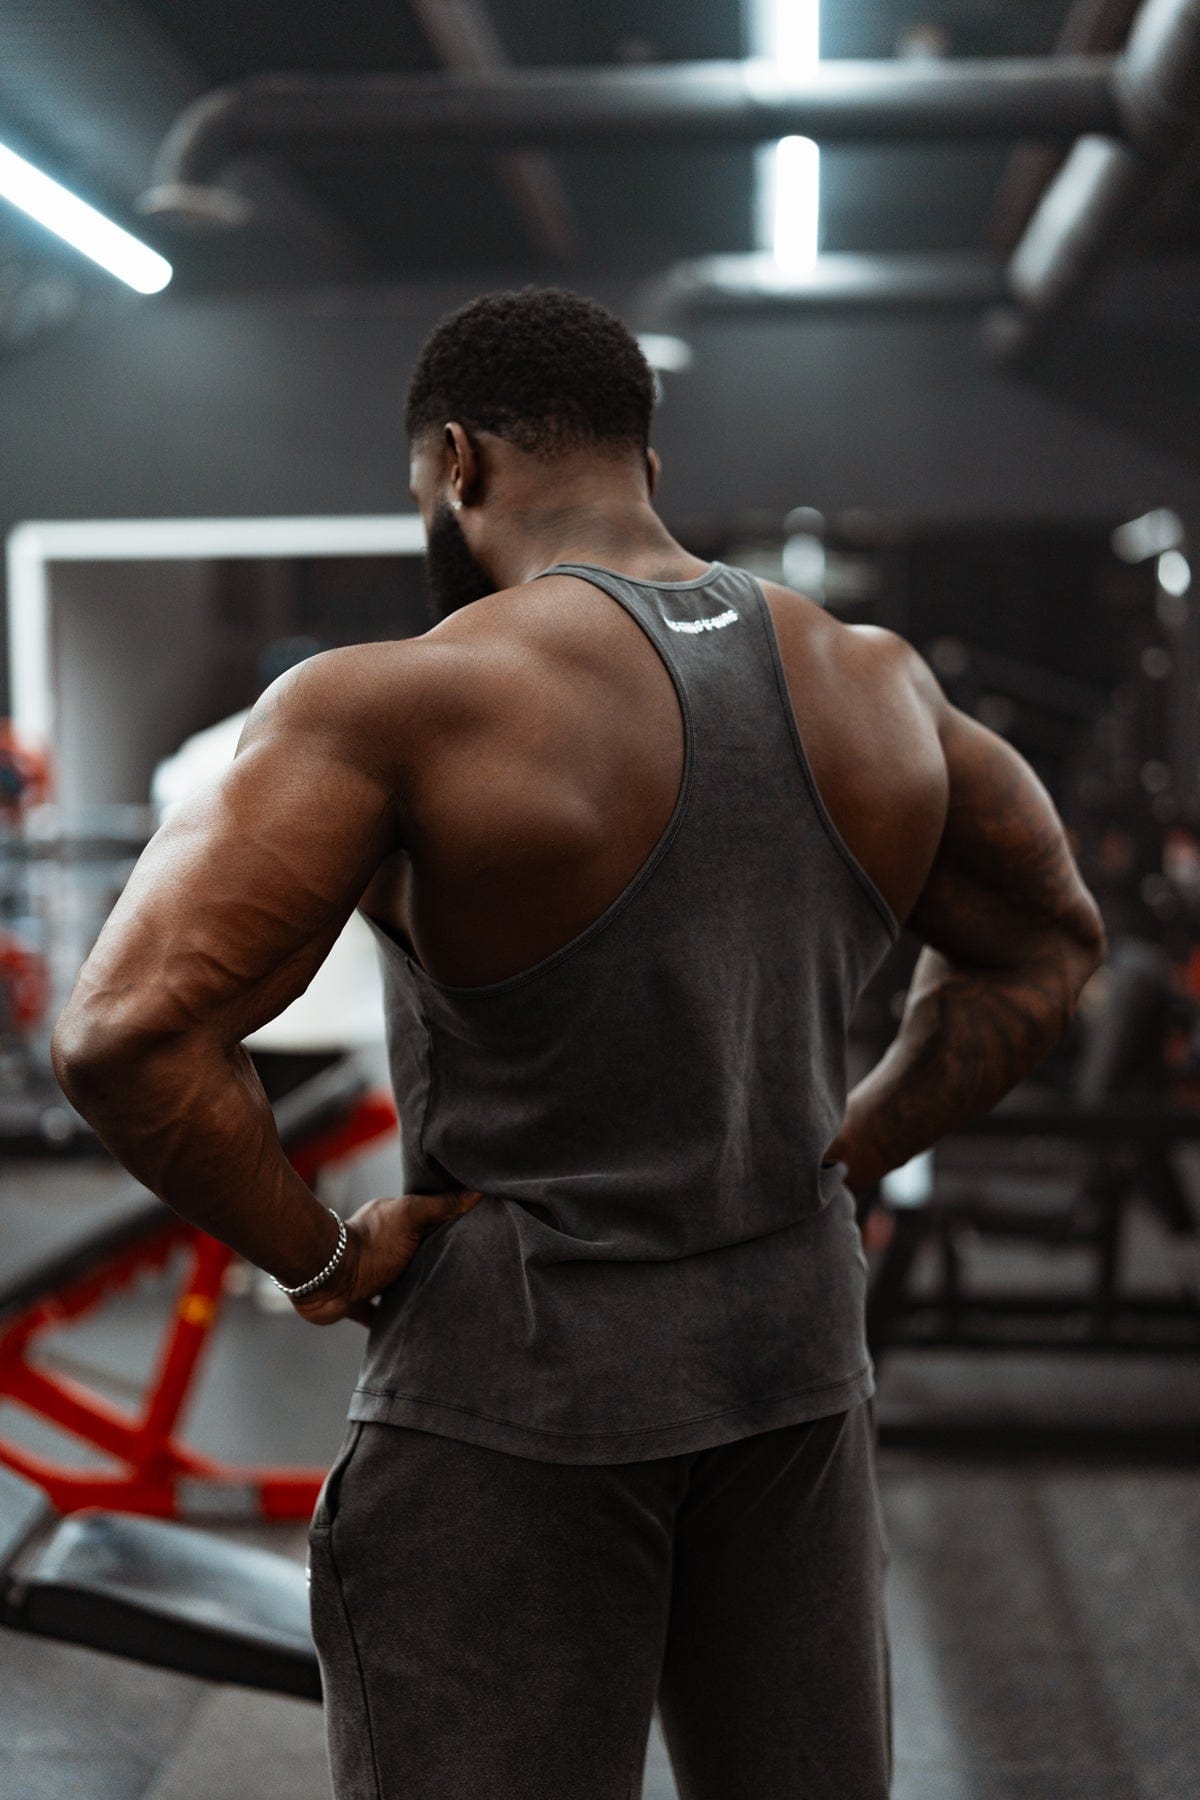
60, 874
329, 1117
1120, 1129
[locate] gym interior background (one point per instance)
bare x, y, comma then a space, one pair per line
941, 373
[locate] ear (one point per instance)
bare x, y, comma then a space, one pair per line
653, 471
463, 470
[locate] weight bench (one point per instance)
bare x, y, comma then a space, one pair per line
329, 1117
162, 1594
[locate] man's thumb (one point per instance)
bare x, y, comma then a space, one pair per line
432, 1209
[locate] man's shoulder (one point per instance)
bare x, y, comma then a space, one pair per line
357, 683
871, 659
867, 708
381, 701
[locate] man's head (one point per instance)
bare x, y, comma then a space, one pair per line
512, 394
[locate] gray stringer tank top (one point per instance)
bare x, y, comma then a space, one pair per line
664, 1258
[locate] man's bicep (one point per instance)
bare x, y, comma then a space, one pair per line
239, 897
1003, 881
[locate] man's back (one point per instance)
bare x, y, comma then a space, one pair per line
543, 747
647, 1094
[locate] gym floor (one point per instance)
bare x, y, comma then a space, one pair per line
1045, 1612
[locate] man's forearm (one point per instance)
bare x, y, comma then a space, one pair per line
966, 1038
193, 1124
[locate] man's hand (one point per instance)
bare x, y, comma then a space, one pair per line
382, 1238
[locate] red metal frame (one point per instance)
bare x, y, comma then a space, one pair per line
161, 1475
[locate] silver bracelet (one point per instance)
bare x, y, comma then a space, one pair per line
306, 1287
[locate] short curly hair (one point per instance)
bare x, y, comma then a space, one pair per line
542, 367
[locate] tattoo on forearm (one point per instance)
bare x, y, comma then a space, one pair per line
964, 1043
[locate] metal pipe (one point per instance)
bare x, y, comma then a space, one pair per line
710, 103
754, 283
1103, 184
1158, 78
1091, 28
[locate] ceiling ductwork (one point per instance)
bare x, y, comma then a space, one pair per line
1091, 28
691, 103
1103, 183
1128, 118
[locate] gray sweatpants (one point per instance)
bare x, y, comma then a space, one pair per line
494, 1628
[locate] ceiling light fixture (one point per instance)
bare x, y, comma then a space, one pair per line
662, 351
80, 225
1174, 573
788, 35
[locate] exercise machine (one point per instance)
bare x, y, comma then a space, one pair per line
331, 1116
1113, 1136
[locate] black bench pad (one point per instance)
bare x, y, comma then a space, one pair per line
169, 1595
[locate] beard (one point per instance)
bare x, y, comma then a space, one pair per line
453, 578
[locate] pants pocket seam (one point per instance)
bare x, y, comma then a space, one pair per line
342, 1624
358, 1664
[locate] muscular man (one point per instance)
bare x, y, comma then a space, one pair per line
632, 831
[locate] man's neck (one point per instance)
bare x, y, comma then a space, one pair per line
623, 536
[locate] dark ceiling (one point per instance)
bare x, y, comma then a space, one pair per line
87, 88
438, 211
634, 211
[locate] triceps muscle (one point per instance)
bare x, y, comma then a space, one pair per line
1010, 935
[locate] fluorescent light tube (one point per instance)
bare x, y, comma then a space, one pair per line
789, 35
80, 225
